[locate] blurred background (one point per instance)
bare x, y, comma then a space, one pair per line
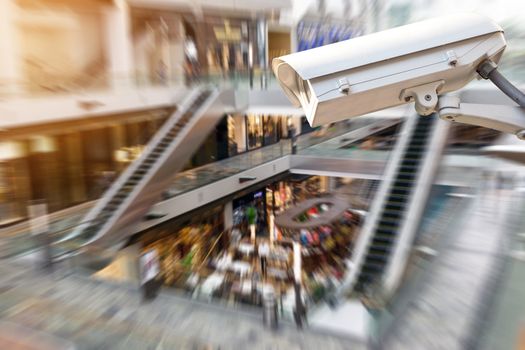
212, 233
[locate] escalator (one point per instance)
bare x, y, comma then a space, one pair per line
388, 226
141, 185
384, 244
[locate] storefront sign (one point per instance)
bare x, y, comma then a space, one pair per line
315, 34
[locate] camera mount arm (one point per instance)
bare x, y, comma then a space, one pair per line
508, 119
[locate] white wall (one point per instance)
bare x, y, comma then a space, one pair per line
62, 42
31, 111
9, 51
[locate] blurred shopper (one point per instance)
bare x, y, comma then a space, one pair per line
264, 252
299, 310
293, 138
236, 236
150, 275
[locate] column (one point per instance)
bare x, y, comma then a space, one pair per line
119, 47
228, 215
297, 269
161, 54
262, 49
271, 225
45, 171
251, 39
10, 72
324, 184
177, 57
131, 257
118, 141
201, 43
240, 132
262, 42
75, 167
332, 184
15, 189
293, 38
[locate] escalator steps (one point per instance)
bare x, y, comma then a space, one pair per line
388, 225
392, 215
380, 248
397, 198
402, 183
131, 183
406, 180
394, 207
400, 191
372, 269
388, 221
385, 231
377, 257
409, 163
376, 263
385, 240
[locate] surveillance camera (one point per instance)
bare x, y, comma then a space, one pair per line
412, 63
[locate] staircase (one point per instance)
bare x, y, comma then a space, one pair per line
141, 185
387, 230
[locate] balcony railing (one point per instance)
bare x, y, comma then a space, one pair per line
54, 83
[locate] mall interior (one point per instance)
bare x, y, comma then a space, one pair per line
159, 191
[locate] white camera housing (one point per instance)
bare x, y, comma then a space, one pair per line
415, 62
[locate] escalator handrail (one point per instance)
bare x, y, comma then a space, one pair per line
92, 214
367, 233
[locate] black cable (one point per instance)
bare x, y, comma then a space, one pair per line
488, 70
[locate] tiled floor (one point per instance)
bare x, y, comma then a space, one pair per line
446, 312
96, 315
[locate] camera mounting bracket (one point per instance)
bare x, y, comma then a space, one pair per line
425, 96
508, 119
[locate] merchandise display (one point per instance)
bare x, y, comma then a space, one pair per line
235, 267
306, 188
326, 229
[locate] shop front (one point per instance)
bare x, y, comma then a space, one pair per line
251, 209
299, 253
275, 198
199, 256
220, 48
158, 46
263, 130
210, 263
59, 163
183, 247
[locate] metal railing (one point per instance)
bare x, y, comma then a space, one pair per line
445, 220
18, 239
100, 80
